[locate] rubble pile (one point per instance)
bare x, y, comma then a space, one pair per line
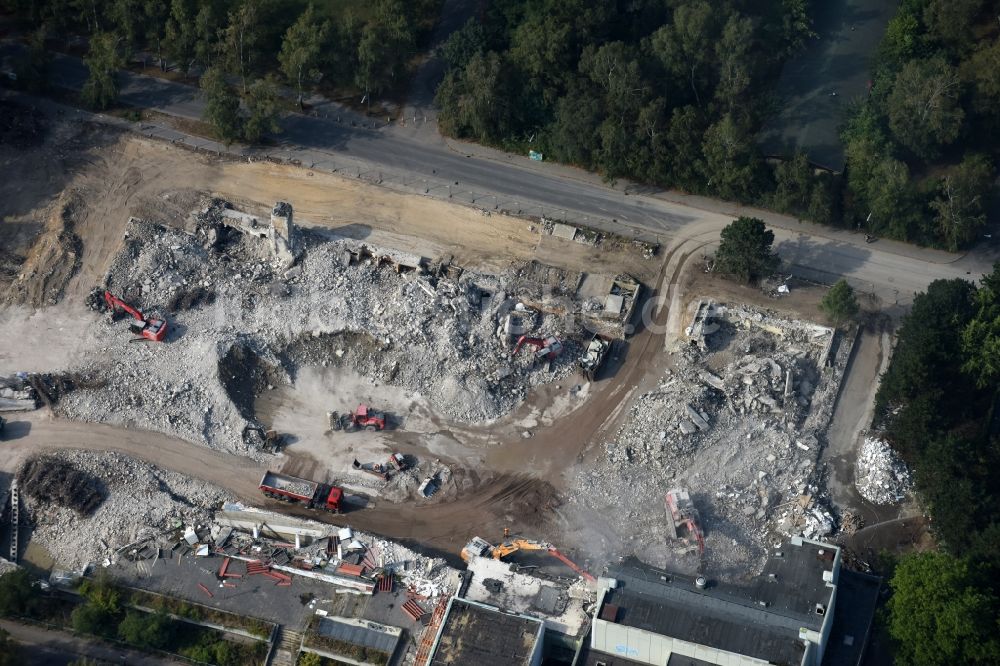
739, 424
881, 478
436, 331
48, 479
423, 575
140, 501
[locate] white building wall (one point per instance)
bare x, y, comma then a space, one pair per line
650, 648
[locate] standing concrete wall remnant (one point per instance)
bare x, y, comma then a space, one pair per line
283, 240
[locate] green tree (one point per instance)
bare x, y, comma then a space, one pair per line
477, 102
181, 35
735, 53
924, 386
982, 72
939, 614
222, 109
951, 22
745, 250
16, 593
263, 106
960, 206
467, 41
146, 630
798, 190
685, 46
981, 336
240, 39
301, 48
310, 659
685, 163
103, 62
207, 26
731, 162
839, 304
923, 107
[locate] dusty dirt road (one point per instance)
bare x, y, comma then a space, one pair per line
504, 499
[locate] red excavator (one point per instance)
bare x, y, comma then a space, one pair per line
548, 348
150, 329
362, 417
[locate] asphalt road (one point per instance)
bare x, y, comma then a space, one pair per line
424, 162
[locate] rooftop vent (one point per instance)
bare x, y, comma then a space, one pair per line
762, 603
820, 609
701, 582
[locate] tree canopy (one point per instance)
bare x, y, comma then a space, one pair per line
919, 165
666, 93
840, 303
745, 250
937, 405
941, 615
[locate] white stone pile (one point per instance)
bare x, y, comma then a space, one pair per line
881, 477
434, 336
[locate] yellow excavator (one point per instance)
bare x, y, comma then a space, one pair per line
479, 547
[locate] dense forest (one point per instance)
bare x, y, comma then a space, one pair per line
350, 44
940, 405
922, 150
662, 92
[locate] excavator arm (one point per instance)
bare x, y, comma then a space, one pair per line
116, 303
504, 549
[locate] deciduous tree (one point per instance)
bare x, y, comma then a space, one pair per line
103, 62
924, 112
940, 615
222, 109
262, 103
960, 206
302, 48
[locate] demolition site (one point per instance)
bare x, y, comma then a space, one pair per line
376, 427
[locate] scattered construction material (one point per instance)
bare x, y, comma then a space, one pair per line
881, 478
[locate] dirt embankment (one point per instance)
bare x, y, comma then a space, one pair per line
52, 261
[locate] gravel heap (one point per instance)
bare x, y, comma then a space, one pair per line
721, 425
881, 478
243, 323
140, 500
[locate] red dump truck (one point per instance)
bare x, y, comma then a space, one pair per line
293, 489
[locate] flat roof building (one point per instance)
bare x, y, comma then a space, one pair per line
480, 634
785, 616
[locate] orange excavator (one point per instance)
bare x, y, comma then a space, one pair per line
479, 547
148, 328
548, 348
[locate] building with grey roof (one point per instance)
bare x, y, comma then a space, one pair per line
784, 617
476, 633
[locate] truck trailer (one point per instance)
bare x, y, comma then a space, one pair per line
302, 491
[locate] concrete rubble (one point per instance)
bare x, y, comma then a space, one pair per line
881, 477
140, 502
740, 425
241, 320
